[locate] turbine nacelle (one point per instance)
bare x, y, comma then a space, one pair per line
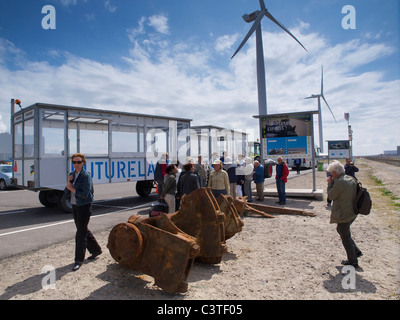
321, 95
313, 96
257, 16
251, 17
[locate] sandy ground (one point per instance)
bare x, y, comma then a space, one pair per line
288, 257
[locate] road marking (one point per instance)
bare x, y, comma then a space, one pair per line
35, 228
110, 206
72, 220
11, 212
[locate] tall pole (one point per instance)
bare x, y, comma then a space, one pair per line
313, 153
350, 133
321, 138
262, 92
12, 133
261, 85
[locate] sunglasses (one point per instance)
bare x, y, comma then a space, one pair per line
77, 162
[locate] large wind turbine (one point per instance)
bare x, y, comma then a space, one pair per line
257, 16
319, 96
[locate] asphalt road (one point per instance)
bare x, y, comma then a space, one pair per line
26, 225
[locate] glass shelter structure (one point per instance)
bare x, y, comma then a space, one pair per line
118, 146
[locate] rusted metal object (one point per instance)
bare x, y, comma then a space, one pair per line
165, 247
280, 210
233, 223
242, 206
155, 246
200, 216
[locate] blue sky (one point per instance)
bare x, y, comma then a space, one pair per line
173, 57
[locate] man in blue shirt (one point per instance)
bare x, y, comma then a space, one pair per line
259, 180
282, 173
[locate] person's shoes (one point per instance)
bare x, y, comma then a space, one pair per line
347, 263
282, 203
278, 202
76, 266
359, 254
94, 255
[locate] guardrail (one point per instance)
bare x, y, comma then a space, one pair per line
389, 160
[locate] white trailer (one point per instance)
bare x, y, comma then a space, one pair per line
118, 146
212, 142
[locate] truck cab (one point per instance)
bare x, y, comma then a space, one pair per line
255, 153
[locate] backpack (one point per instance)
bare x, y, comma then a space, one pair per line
362, 201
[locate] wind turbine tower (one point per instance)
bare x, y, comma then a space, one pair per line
319, 96
257, 16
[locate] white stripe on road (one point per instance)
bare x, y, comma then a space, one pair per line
11, 212
72, 220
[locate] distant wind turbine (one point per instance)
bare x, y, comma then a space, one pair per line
319, 96
257, 16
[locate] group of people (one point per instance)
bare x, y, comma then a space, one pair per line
174, 183
223, 177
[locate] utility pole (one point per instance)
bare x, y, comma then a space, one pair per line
350, 132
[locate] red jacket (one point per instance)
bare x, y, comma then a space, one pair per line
283, 174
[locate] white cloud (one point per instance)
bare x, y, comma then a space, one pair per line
159, 23
109, 6
224, 43
68, 2
134, 32
179, 79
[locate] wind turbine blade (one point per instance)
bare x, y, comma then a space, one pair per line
310, 97
322, 80
253, 28
329, 107
269, 16
262, 5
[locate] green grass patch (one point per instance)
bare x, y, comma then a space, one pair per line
377, 181
386, 193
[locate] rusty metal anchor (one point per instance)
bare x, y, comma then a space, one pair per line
201, 217
165, 247
155, 246
233, 223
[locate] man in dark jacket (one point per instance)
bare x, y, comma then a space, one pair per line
160, 173
230, 168
259, 179
349, 168
188, 181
